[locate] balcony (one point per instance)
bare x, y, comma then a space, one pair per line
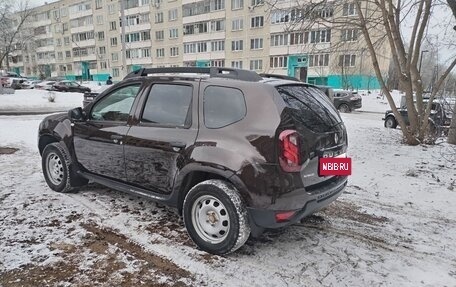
87, 28
80, 14
82, 44
204, 17
204, 37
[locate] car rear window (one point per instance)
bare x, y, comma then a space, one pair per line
311, 107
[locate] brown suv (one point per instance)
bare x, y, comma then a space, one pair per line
233, 152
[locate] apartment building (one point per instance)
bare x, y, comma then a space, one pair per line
83, 39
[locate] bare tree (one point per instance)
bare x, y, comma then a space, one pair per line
452, 132
380, 22
14, 16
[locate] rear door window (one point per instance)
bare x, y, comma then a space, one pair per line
168, 105
223, 106
310, 107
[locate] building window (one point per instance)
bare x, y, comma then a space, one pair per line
349, 9
257, 2
237, 24
160, 52
173, 33
102, 50
112, 8
218, 25
103, 65
236, 64
159, 35
217, 5
279, 40
256, 43
278, 62
172, 15
195, 47
113, 25
237, 4
67, 54
159, 17
349, 35
114, 41
327, 12
115, 57
100, 19
347, 60
145, 53
174, 51
145, 2
256, 64
237, 45
144, 18
101, 36
280, 16
319, 60
320, 36
296, 38
196, 28
218, 45
145, 35
131, 4
257, 22
60, 55
59, 42
115, 72
98, 4
217, 63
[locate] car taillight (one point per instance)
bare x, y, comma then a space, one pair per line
289, 151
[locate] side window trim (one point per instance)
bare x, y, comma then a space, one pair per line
189, 116
140, 90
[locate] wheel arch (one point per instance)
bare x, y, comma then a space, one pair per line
45, 140
196, 173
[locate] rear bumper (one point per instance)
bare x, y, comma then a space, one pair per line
318, 199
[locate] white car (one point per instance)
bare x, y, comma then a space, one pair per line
45, 85
30, 84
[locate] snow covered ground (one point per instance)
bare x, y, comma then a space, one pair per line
375, 102
395, 225
37, 100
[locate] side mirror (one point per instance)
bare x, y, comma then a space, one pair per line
76, 114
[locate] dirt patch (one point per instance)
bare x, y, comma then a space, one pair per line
350, 211
30, 275
171, 227
162, 265
105, 258
8, 150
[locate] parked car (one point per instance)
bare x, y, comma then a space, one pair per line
70, 86
30, 84
327, 90
233, 152
439, 119
347, 101
45, 85
11, 80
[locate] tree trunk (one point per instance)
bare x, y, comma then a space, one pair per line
452, 132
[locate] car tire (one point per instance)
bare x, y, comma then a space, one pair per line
390, 122
344, 108
215, 217
58, 169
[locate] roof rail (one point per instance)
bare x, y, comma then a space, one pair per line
213, 72
283, 77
